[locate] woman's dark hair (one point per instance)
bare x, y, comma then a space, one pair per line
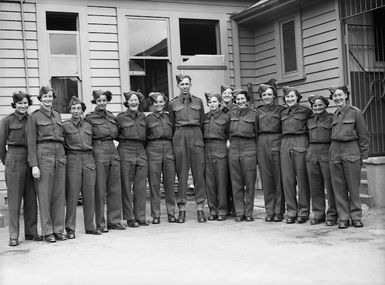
241, 91
17, 96
127, 96
44, 90
97, 93
288, 89
313, 98
344, 89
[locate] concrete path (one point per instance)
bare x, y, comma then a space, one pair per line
210, 253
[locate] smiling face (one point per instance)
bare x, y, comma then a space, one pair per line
184, 86
241, 101
319, 106
76, 111
47, 99
339, 98
133, 103
268, 96
159, 103
22, 106
101, 102
291, 98
227, 96
213, 103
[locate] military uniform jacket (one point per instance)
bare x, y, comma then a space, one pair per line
103, 125
159, 126
349, 125
320, 127
294, 120
77, 135
12, 132
42, 126
186, 111
243, 123
131, 126
215, 125
269, 118
227, 108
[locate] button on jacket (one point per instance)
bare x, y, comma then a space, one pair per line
77, 135
132, 126
294, 120
243, 123
159, 126
268, 154
317, 165
18, 176
43, 126
186, 111
103, 125
215, 125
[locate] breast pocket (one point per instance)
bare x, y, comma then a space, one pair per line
45, 129
348, 128
195, 111
16, 132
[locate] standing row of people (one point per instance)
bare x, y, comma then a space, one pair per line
293, 146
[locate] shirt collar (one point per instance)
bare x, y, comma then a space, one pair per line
158, 114
133, 114
77, 123
344, 109
183, 98
215, 113
46, 112
20, 116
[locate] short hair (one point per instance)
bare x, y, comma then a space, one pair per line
288, 89
17, 96
241, 91
97, 93
344, 89
44, 90
209, 95
180, 77
127, 96
314, 98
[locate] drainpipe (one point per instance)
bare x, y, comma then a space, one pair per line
24, 46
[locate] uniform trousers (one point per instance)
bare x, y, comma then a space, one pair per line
20, 186
317, 165
293, 165
51, 186
134, 169
108, 183
243, 164
80, 176
268, 153
345, 165
189, 151
161, 163
217, 173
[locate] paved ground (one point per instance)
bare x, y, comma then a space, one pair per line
210, 253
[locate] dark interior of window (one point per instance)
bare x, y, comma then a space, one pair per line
379, 33
61, 21
65, 88
288, 44
198, 36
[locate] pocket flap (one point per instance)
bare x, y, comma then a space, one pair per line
348, 121
195, 107
153, 125
15, 127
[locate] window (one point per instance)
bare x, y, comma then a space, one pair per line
379, 34
64, 59
289, 42
148, 48
198, 37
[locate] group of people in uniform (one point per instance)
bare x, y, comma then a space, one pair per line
51, 161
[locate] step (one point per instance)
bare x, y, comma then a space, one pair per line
364, 186
367, 199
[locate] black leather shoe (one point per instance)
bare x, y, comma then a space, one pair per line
50, 238
221, 218
290, 220
94, 232
343, 224
142, 222
13, 242
278, 218
357, 224
249, 219
104, 229
34, 237
171, 218
302, 220
317, 221
201, 216
239, 219
60, 236
181, 217
132, 224
269, 219
330, 223
156, 220
71, 234
117, 226
212, 218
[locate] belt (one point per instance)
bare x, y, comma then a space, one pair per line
49, 141
128, 141
187, 126
79, 151
319, 142
101, 141
16, 146
214, 140
152, 140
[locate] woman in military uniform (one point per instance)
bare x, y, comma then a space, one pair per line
18, 177
161, 160
317, 162
349, 148
293, 157
243, 133
134, 166
215, 134
268, 153
80, 170
47, 158
107, 161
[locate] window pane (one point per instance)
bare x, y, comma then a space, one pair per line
61, 21
198, 37
289, 48
65, 88
147, 76
147, 37
64, 65
63, 43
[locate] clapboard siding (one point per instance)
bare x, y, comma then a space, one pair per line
12, 65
